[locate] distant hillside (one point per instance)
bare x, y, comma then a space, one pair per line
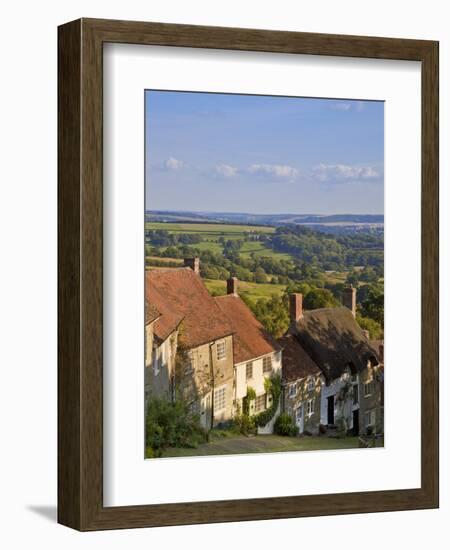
334, 223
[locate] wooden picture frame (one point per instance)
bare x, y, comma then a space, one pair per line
80, 272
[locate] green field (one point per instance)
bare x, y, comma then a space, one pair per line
211, 233
228, 444
254, 291
213, 229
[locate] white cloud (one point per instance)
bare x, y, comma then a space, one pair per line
226, 170
341, 106
344, 172
173, 164
282, 171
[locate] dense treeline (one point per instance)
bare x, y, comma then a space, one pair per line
328, 251
161, 237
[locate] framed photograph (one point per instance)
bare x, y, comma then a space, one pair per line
248, 274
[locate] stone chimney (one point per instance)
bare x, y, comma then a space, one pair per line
349, 299
295, 307
232, 286
193, 263
381, 352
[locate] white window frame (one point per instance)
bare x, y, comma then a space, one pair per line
293, 390
221, 350
155, 362
265, 359
221, 389
263, 397
299, 409
310, 407
249, 365
369, 388
310, 384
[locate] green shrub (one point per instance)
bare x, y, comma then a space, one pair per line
285, 426
272, 386
172, 425
245, 424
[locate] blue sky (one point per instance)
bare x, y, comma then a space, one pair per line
263, 154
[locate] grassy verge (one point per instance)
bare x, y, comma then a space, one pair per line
228, 444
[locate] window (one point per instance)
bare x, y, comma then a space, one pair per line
249, 371
292, 390
260, 403
267, 364
156, 361
310, 407
368, 388
221, 351
298, 413
370, 418
219, 398
355, 394
310, 384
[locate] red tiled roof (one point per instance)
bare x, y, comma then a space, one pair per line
250, 340
180, 296
297, 364
151, 313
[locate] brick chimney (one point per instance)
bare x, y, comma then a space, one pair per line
349, 299
295, 307
193, 263
232, 286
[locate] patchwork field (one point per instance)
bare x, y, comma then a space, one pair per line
210, 229
254, 291
211, 233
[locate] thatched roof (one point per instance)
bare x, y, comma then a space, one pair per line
334, 340
297, 364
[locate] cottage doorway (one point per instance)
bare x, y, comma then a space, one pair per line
356, 422
330, 410
205, 417
299, 418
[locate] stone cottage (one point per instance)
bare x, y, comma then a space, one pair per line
302, 386
257, 355
192, 348
332, 338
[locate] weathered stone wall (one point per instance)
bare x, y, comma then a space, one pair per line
302, 395
160, 366
374, 401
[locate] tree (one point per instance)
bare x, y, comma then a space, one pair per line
373, 305
318, 298
375, 329
260, 275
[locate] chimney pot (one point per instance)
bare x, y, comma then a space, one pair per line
232, 286
295, 307
193, 263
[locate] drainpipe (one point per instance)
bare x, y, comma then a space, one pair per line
212, 383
